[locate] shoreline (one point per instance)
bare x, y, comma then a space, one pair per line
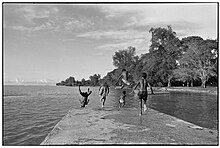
188, 89
97, 126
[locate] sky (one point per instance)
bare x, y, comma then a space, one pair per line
50, 42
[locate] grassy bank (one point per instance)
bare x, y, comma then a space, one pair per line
211, 90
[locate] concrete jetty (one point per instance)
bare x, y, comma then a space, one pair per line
107, 126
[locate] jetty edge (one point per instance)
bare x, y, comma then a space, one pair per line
110, 126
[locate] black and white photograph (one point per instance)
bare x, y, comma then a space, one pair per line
110, 74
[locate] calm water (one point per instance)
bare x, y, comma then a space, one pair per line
31, 112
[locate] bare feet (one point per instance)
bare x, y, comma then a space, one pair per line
145, 108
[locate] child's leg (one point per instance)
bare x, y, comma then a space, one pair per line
83, 103
103, 101
123, 104
145, 105
122, 86
141, 105
145, 101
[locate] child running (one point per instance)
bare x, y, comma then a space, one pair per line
142, 94
103, 91
124, 78
122, 99
85, 95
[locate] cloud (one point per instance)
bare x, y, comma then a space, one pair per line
194, 17
146, 13
98, 53
139, 44
67, 40
31, 12
114, 34
46, 26
119, 39
113, 11
77, 23
67, 25
31, 18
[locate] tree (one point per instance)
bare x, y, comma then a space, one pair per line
70, 81
125, 58
200, 56
95, 79
164, 52
83, 82
184, 74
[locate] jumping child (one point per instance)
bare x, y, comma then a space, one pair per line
124, 78
85, 95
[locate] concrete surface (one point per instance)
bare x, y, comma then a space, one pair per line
107, 126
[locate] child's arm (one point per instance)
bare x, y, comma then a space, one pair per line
107, 89
80, 90
118, 79
90, 93
135, 87
151, 88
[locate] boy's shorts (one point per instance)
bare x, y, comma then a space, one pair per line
142, 95
121, 101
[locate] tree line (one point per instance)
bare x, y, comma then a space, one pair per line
190, 61
93, 81
170, 61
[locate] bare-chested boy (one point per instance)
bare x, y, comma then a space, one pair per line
143, 94
103, 92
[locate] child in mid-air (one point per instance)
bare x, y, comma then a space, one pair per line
122, 99
124, 78
85, 95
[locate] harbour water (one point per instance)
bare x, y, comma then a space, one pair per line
31, 112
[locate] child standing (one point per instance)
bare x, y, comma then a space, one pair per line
122, 99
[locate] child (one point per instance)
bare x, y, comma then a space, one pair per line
103, 92
85, 95
124, 78
122, 99
143, 94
